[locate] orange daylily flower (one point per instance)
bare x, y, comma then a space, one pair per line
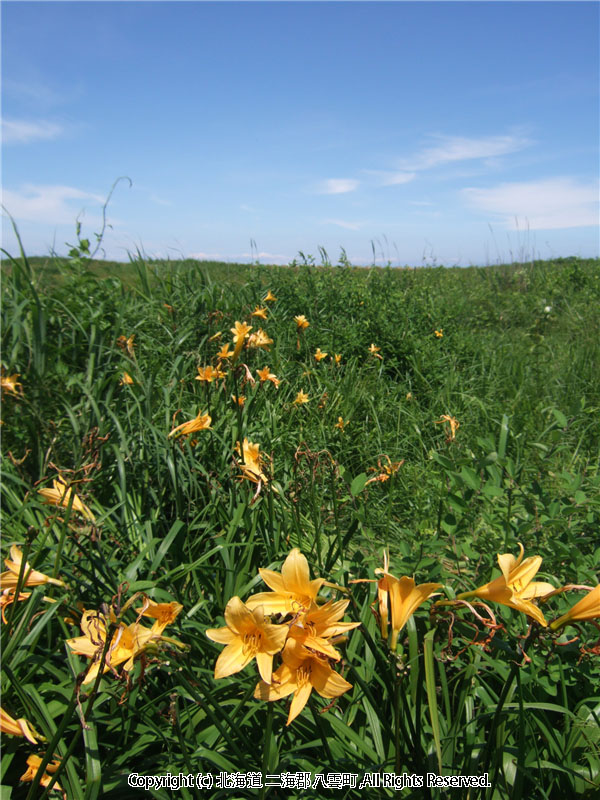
260, 311
126, 380
252, 466
403, 597
301, 322
225, 352
163, 613
301, 398
319, 355
587, 608
200, 423
292, 590
31, 577
9, 383
61, 494
375, 351
340, 423
514, 588
248, 635
336, 358
127, 344
387, 470
270, 298
265, 375
33, 764
259, 339
18, 727
319, 626
439, 334
301, 672
240, 333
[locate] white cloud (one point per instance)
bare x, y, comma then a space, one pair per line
461, 148
52, 205
338, 186
351, 226
390, 177
18, 131
539, 205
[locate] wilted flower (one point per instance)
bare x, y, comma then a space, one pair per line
514, 587
248, 635
319, 355
587, 608
200, 423
386, 470
127, 344
215, 336
301, 398
375, 351
454, 425
61, 494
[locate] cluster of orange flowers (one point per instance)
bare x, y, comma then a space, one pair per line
292, 621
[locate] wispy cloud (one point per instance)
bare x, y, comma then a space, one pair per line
541, 205
54, 205
391, 177
19, 131
350, 226
461, 148
338, 186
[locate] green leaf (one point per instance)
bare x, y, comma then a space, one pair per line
358, 484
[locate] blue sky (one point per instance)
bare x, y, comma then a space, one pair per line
453, 133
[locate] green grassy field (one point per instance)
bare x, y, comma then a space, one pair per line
453, 418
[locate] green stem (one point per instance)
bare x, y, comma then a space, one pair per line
266, 750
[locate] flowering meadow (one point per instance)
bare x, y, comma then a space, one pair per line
300, 532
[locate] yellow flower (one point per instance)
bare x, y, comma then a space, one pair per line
453, 422
240, 333
252, 466
60, 495
293, 591
587, 608
200, 423
300, 673
127, 344
318, 625
409, 396
163, 613
340, 423
126, 380
301, 398
18, 727
9, 383
259, 339
8, 597
301, 322
375, 351
265, 375
33, 764
270, 298
127, 642
319, 355
259, 312
224, 352
240, 400
206, 374
514, 587
215, 336
403, 597
337, 358
247, 635
439, 333
31, 577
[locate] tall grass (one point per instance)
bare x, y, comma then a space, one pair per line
464, 693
